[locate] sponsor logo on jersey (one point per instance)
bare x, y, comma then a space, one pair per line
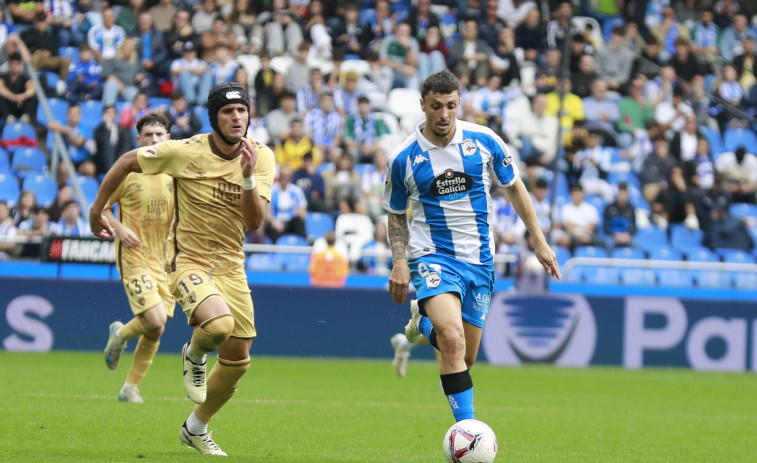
233, 95
419, 158
151, 152
508, 160
451, 185
469, 147
481, 303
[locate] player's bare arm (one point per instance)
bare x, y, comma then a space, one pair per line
521, 201
127, 235
125, 165
399, 279
253, 205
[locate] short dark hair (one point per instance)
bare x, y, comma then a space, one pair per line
153, 118
622, 186
541, 182
443, 82
576, 187
15, 57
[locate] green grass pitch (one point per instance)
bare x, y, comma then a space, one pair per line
62, 407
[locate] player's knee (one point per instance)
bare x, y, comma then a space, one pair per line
453, 339
154, 321
218, 329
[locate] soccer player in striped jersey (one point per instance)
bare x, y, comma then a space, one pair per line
145, 209
445, 170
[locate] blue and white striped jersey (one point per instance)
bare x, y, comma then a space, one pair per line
448, 189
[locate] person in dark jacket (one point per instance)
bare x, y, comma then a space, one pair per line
619, 219
184, 121
111, 140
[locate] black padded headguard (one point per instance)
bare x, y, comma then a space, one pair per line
221, 95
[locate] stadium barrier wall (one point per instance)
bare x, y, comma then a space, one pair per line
565, 329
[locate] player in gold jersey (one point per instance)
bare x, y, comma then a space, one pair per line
222, 185
145, 208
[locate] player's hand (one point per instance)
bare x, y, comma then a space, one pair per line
129, 238
249, 158
548, 260
399, 280
99, 225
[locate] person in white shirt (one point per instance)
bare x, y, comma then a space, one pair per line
739, 168
192, 76
538, 132
106, 39
580, 219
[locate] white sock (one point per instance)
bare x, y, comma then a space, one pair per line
194, 358
195, 426
127, 385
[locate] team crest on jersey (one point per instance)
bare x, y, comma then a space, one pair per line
433, 280
451, 185
151, 152
469, 147
419, 158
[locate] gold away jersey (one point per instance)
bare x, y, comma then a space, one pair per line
145, 205
208, 226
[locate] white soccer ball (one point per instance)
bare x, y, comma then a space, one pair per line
470, 441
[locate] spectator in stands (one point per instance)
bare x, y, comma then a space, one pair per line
298, 75
325, 126
582, 79
184, 121
648, 63
732, 40
257, 128
530, 36
671, 114
634, 110
105, 39
728, 232
572, 105
379, 27
286, 212
549, 71
342, 182
684, 144
362, 132
739, 170
329, 267
24, 209
71, 222
729, 90
163, 14
263, 83
376, 257
538, 132
127, 16
309, 95
655, 170
83, 81
579, 47
503, 60
346, 96
542, 205
704, 40
614, 61
684, 62
223, 65
311, 183
44, 48
714, 197
421, 19
580, 219
243, 20
642, 144
7, 231
18, 99
282, 32
192, 76
279, 121
675, 204
218, 34
22, 13
65, 194
372, 183
668, 31
75, 134
123, 76
399, 52
698, 98
111, 140
130, 114
202, 19
38, 225
151, 47
746, 65
594, 163
700, 170
602, 113
559, 27
8, 36
291, 149
489, 103
348, 32
490, 25
469, 57
433, 55
619, 220
179, 33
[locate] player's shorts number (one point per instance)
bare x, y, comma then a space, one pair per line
138, 288
194, 278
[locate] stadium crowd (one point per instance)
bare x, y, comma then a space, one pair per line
654, 148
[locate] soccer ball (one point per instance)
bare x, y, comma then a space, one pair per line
470, 441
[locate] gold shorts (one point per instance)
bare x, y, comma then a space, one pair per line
145, 291
192, 285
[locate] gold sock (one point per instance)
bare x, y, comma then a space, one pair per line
131, 330
211, 334
222, 383
143, 355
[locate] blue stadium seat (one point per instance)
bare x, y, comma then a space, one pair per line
608, 25
28, 160
637, 276
628, 177
292, 262
69, 52
5, 163
88, 185
589, 251
735, 256
323, 166
714, 138
156, 102
628, 253
673, 277
263, 262
742, 210
711, 279
317, 224
91, 113
650, 238
700, 254
58, 109
596, 274
563, 254
737, 136
367, 15
682, 237
599, 203
9, 191
745, 280
664, 253
17, 130
362, 168
44, 188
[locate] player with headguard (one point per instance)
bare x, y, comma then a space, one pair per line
145, 209
222, 185
445, 170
